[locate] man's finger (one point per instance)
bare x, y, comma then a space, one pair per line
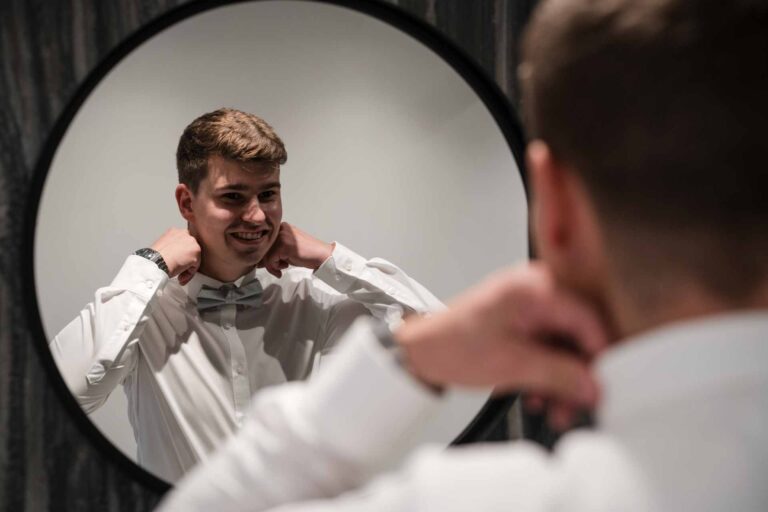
550, 372
274, 271
187, 275
561, 415
573, 319
533, 403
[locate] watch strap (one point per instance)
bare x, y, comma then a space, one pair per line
153, 256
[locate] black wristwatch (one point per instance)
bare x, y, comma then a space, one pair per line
154, 256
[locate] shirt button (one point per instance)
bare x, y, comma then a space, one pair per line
149, 284
227, 325
348, 266
239, 370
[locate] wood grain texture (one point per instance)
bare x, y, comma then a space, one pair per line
47, 48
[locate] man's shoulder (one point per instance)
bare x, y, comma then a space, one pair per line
297, 281
599, 472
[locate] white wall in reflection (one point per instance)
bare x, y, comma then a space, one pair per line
389, 152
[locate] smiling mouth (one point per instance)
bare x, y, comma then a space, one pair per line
250, 236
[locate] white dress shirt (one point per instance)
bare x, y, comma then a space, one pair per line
683, 426
189, 376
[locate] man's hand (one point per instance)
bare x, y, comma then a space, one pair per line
181, 253
295, 247
501, 333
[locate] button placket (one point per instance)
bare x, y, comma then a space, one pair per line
241, 387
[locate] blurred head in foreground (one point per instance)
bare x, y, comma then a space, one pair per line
648, 154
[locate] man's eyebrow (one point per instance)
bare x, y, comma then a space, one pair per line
233, 186
244, 187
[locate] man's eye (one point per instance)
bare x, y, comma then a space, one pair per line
267, 195
232, 196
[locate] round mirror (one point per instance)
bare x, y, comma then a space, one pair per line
397, 149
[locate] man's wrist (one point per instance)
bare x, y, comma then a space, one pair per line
153, 256
388, 340
323, 255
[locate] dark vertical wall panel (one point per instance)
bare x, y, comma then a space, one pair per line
46, 50
461, 21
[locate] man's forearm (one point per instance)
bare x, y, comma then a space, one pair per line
375, 283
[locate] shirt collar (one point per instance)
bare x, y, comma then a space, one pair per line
192, 288
677, 360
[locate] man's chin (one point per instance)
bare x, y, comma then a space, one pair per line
250, 256
250, 260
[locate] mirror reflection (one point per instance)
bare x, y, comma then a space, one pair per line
188, 255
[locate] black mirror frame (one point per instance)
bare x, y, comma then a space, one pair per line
504, 114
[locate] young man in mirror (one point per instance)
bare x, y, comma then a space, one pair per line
194, 324
647, 165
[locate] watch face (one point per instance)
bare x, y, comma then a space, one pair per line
146, 253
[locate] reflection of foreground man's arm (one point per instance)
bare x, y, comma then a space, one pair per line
320, 438
193, 326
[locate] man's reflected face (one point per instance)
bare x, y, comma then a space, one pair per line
236, 215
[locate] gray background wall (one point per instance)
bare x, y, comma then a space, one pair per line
46, 51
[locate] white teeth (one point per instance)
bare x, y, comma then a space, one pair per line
249, 236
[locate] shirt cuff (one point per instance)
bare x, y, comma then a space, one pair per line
342, 269
140, 276
364, 401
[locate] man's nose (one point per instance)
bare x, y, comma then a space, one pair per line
253, 213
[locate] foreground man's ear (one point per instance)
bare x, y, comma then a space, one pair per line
550, 204
564, 224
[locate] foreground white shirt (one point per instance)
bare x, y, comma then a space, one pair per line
683, 426
188, 376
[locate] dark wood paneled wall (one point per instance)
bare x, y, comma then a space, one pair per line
47, 48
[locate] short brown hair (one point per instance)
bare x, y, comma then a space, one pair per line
231, 134
661, 107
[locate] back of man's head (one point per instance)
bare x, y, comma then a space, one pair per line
660, 106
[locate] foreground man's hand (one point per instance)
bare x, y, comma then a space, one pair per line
500, 334
181, 253
295, 247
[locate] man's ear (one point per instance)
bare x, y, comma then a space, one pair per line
564, 222
550, 211
184, 201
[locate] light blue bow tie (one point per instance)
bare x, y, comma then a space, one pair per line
247, 295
